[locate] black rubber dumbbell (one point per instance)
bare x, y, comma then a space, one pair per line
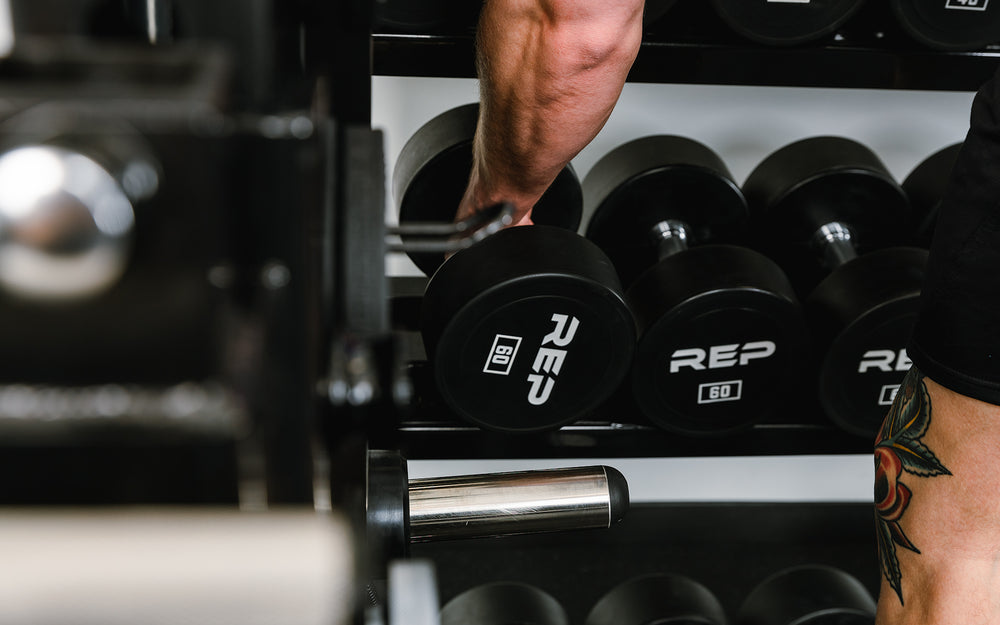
831, 199
950, 24
785, 23
661, 599
808, 595
527, 329
720, 329
925, 187
504, 603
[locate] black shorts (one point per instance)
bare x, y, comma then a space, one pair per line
956, 341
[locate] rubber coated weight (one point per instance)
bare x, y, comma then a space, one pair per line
950, 24
925, 187
720, 329
433, 168
808, 595
658, 600
830, 199
785, 22
527, 330
504, 603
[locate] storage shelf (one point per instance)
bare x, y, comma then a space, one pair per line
831, 66
432, 431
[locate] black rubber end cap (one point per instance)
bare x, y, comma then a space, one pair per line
617, 494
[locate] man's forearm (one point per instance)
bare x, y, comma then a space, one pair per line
550, 74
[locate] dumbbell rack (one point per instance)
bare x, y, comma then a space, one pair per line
729, 547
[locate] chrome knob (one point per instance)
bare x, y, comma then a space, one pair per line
66, 223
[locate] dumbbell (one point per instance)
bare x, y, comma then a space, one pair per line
925, 187
788, 22
504, 603
808, 595
950, 24
720, 328
831, 199
527, 329
660, 599
401, 511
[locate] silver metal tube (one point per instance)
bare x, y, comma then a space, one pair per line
836, 243
525, 502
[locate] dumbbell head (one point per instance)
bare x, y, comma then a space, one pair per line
527, 329
785, 23
925, 187
433, 168
720, 328
950, 24
661, 599
831, 198
504, 603
808, 595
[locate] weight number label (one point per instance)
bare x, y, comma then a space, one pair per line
502, 354
967, 5
715, 392
888, 394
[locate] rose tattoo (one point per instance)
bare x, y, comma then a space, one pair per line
899, 450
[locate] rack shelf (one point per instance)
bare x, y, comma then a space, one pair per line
832, 66
431, 431
691, 45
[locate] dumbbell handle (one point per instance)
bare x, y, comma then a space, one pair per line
836, 243
451, 237
670, 237
516, 503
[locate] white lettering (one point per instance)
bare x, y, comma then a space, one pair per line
721, 356
560, 337
757, 349
534, 398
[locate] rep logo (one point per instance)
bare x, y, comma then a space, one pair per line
502, 354
549, 361
721, 356
884, 360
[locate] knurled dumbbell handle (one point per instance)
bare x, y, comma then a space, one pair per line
516, 503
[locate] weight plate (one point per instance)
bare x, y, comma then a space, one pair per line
821, 180
785, 22
925, 187
653, 179
504, 603
809, 595
527, 330
863, 314
721, 340
662, 599
432, 172
950, 24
